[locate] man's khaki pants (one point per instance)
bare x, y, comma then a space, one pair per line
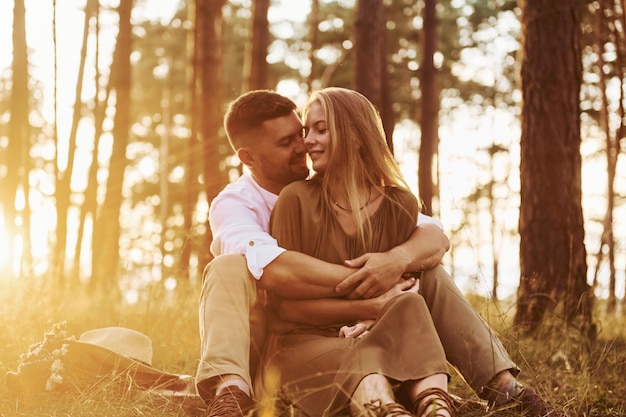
233, 327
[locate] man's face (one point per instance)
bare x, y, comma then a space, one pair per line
279, 154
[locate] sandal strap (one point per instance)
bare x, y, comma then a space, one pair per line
433, 397
377, 409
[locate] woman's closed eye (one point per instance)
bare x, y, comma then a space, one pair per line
317, 131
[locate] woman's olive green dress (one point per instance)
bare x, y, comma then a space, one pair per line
310, 370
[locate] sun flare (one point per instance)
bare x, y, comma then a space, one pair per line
10, 248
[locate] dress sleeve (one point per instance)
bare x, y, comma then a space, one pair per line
286, 219
407, 217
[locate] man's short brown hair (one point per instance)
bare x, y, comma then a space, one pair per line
250, 110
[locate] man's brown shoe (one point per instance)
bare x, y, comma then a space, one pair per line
529, 404
231, 402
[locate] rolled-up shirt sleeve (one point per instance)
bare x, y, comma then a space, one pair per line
239, 221
258, 256
425, 219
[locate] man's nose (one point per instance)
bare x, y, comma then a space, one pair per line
301, 144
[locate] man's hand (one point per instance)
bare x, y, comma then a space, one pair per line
361, 328
377, 273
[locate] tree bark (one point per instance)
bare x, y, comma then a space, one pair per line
370, 66
314, 19
190, 197
107, 226
255, 59
210, 72
429, 117
612, 138
90, 203
63, 181
553, 256
368, 39
19, 132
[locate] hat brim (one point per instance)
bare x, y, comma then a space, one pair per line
100, 361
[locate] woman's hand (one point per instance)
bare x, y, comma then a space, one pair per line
357, 330
404, 285
361, 328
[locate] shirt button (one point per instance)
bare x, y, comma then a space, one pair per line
251, 243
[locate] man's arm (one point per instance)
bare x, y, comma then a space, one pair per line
295, 275
299, 276
422, 251
327, 311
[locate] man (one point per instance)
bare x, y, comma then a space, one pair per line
266, 133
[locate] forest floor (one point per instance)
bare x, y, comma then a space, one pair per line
582, 377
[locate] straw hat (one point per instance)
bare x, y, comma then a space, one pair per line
115, 348
99, 353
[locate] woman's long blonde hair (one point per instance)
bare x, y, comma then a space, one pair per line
359, 156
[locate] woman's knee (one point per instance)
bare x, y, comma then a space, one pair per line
408, 300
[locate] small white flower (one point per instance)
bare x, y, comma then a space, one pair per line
55, 376
57, 366
53, 381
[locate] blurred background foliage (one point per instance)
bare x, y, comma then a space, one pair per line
115, 136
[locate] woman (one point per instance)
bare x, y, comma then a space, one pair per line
357, 202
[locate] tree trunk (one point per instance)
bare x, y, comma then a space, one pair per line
90, 203
611, 138
371, 77
193, 146
17, 172
210, 72
255, 58
107, 226
63, 187
314, 20
493, 227
429, 117
368, 39
553, 256
386, 107
620, 67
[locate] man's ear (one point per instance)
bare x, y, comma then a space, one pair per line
246, 156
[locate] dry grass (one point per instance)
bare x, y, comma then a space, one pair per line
584, 378
169, 319
581, 377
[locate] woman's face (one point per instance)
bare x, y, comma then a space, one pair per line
317, 137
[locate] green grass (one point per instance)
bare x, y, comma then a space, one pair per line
584, 378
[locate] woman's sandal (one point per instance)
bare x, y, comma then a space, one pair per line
376, 409
431, 402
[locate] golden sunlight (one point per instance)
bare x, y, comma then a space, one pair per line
5, 245
11, 247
